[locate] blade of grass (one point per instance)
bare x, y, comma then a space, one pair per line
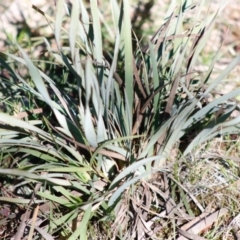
96, 31
82, 231
58, 22
128, 65
74, 27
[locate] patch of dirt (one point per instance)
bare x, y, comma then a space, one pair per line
16, 15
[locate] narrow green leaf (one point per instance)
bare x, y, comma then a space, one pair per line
155, 80
115, 13
84, 17
155, 137
13, 121
20, 200
51, 197
36, 77
125, 185
67, 218
202, 112
97, 32
81, 231
132, 168
58, 21
68, 195
108, 142
74, 27
89, 129
222, 75
128, 54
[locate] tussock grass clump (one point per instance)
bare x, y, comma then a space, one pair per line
106, 140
